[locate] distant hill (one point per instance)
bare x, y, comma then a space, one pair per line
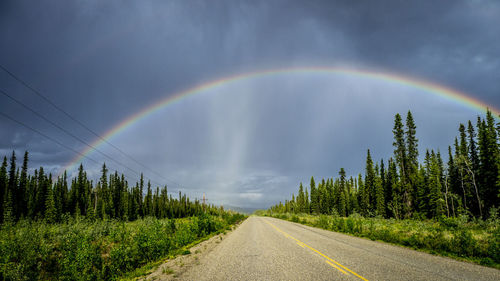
242, 210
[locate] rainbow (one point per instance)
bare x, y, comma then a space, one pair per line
439, 90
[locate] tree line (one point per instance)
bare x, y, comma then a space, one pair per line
401, 187
38, 197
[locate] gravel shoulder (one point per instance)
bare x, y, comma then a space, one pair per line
173, 268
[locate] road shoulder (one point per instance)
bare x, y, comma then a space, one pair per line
175, 267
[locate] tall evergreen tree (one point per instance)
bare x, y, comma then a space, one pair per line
473, 156
379, 195
41, 195
307, 207
21, 202
301, 199
412, 154
401, 158
141, 195
383, 175
314, 197
12, 186
450, 183
436, 202
341, 192
370, 188
489, 154
396, 203
390, 180
148, 201
50, 207
330, 196
363, 197
3, 186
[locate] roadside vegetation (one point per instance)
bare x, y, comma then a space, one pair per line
442, 207
50, 230
79, 249
475, 241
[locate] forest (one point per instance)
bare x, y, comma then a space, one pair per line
38, 197
447, 208
468, 183
94, 231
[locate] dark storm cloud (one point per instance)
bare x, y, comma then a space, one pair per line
104, 60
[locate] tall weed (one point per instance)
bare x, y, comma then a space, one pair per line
96, 250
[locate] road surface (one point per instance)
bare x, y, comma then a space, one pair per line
264, 248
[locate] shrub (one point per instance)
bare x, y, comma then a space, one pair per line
96, 250
323, 222
494, 247
463, 243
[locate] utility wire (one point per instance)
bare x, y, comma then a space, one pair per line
56, 141
64, 130
81, 123
46, 136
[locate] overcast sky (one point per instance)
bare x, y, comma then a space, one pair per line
246, 143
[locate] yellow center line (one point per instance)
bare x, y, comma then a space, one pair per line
329, 260
336, 267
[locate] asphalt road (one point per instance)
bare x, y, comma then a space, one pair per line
271, 249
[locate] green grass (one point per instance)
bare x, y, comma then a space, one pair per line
101, 250
474, 241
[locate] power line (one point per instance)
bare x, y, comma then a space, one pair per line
81, 123
46, 136
56, 141
65, 131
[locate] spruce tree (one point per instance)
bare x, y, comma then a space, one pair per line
489, 157
58, 198
156, 203
412, 154
314, 197
395, 204
81, 190
306, 205
21, 204
383, 176
141, 195
474, 158
370, 188
3, 186
90, 212
41, 194
300, 199
401, 158
436, 202
341, 207
347, 196
148, 204
389, 182
463, 164
363, 198
12, 186
50, 207
379, 196
322, 202
450, 183
467, 162
422, 191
